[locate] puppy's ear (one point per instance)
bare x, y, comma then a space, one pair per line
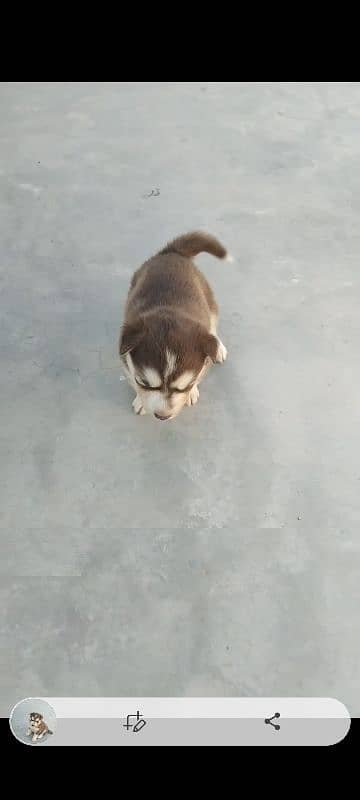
131, 334
210, 346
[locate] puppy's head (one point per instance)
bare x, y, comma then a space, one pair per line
165, 356
35, 718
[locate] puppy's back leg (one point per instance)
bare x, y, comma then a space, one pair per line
222, 351
214, 318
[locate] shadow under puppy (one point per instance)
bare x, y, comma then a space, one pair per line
169, 337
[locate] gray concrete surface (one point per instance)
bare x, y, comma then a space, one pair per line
218, 554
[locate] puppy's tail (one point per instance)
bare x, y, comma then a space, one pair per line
191, 244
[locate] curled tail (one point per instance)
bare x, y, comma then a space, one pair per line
191, 244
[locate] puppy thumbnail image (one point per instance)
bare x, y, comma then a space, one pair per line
33, 721
169, 337
37, 726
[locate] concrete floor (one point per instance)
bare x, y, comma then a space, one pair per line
218, 554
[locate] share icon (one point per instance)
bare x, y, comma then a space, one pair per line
271, 722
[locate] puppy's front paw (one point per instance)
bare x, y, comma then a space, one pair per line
221, 353
138, 406
194, 395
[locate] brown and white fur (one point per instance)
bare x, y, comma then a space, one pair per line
169, 337
37, 727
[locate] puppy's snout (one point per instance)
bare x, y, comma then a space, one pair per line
162, 418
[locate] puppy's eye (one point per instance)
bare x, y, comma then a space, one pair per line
183, 391
142, 385
147, 387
